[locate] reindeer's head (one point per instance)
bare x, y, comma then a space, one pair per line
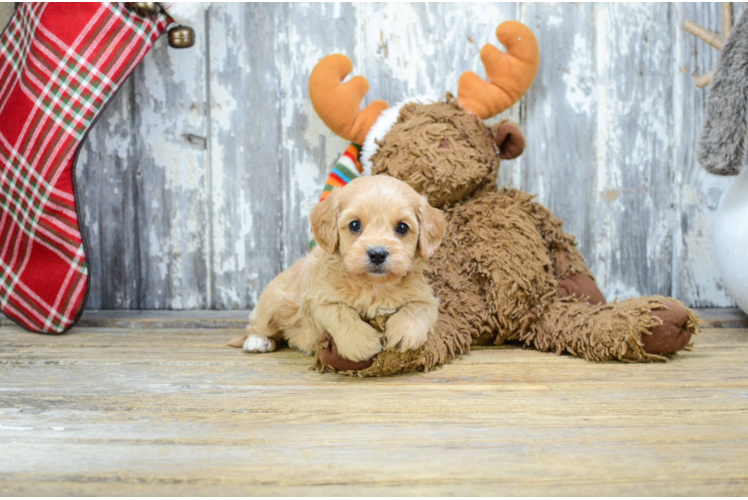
442, 149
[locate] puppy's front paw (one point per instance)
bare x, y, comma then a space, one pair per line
360, 343
259, 343
405, 332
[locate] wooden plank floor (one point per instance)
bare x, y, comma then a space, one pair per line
149, 409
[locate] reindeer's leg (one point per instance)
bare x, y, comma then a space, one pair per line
641, 330
496, 253
569, 268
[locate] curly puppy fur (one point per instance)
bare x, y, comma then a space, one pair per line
722, 145
373, 237
497, 272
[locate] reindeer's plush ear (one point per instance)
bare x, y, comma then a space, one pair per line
324, 218
431, 230
510, 139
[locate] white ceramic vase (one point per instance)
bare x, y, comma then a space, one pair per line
731, 239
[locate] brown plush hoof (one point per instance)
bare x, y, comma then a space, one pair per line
581, 286
671, 336
330, 357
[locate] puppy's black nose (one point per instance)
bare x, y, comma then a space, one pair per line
377, 255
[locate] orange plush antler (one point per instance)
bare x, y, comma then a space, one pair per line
338, 103
510, 75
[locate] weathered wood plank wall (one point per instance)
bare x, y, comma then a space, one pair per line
198, 180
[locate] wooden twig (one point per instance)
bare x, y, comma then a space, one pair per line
709, 37
703, 80
726, 18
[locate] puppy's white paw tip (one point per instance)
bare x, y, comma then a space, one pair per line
258, 343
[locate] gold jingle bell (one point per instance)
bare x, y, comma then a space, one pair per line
148, 8
181, 37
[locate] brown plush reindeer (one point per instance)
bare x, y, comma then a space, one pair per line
506, 270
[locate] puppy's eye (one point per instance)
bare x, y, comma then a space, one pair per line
402, 228
354, 226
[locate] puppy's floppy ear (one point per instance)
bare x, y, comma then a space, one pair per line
324, 218
432, 227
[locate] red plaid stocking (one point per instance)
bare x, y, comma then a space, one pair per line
60, 64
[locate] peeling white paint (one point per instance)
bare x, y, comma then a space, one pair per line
603, 226
621, 291
308, 181
577, 77
183, 170
157, 253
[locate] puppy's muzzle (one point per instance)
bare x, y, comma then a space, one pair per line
378, 258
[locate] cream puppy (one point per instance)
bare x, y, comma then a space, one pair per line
373, 236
